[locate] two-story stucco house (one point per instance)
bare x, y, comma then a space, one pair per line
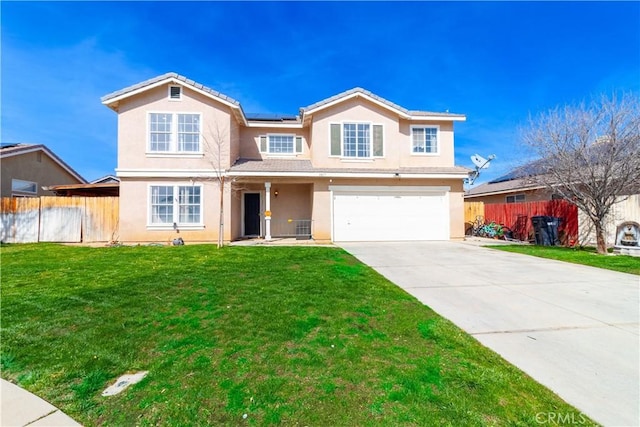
353, 167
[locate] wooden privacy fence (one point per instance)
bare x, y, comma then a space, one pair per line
517, 216
59, 219
472, 210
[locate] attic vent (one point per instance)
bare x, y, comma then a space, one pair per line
175, 92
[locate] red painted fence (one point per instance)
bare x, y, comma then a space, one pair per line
517, 216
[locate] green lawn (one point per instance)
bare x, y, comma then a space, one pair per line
297, 336
585, 256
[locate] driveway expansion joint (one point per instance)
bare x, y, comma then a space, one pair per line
553, 329
42, 417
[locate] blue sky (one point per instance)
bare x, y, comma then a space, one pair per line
496, 62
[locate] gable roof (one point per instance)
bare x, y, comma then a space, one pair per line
111, 100
10, 150
370, 96
256, 120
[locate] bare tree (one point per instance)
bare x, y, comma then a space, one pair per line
214, 148
588, 154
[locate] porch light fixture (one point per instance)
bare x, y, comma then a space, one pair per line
275, 193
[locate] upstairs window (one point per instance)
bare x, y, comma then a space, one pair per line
160, 131
175, 93
188, 132
280, 144
174, 133
424, 140
356, 140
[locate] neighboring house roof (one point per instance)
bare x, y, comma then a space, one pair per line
104, 189
507, 186
401, 111
515, 180
9, 150
256, 120
290, 167
107, 179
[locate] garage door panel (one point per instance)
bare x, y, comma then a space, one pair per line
389, 217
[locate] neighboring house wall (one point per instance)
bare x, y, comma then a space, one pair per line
529, 196
626, 210
36, 167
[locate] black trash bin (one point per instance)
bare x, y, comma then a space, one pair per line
546, 230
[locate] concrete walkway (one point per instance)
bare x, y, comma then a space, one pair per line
19, 407
573, 328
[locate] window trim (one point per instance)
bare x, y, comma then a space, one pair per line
371, 156
172, 99
515, 198
293, 144
22, 192
176, 207
438, 142
173, 145
294, 151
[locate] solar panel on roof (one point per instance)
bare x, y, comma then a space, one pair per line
8, 144
270, 116
532, 168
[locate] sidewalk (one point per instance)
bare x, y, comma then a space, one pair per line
18, 407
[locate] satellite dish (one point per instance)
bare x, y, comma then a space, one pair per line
481, 163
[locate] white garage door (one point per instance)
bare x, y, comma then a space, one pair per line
389, 214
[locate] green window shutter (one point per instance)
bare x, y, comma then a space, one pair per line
378, 144
263, 144
298, 144
336, 149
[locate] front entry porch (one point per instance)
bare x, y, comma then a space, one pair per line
275, 210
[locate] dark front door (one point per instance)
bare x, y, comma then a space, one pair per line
251, 214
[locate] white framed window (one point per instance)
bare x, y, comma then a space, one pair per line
425, 139
353, 140
24, 187
356, 140
516, 198
280, 144
175, 204
188, 133
174, 133
175, 93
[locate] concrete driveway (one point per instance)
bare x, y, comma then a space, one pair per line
572, 328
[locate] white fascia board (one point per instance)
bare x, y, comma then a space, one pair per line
355, 95
168, 173
275, 125
139, 90
393, 189
350, 175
